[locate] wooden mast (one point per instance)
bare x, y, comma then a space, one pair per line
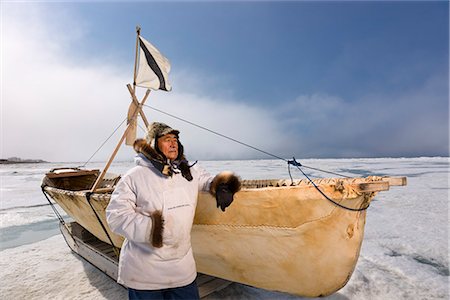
133, 90
138, 33
134, 111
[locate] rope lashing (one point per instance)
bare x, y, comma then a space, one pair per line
295, 163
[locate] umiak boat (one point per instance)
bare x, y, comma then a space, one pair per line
296, 236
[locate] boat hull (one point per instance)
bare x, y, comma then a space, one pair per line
288, 239
283, 238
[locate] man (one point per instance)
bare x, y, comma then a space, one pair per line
153, 207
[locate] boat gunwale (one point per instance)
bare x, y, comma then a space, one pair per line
379, 183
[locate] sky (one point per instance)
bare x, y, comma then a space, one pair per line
293, 79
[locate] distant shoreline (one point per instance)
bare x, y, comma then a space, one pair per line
16, 160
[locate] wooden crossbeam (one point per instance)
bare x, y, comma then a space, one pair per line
139, 106
113, 155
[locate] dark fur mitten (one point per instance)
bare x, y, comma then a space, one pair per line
223, 187
157, 229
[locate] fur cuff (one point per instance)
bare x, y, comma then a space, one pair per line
229, 178
157, 229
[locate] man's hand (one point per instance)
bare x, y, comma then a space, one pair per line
224, 196
223, 187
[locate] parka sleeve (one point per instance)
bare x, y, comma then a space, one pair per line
204, 178
122, 216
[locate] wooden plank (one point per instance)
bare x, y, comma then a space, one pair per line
211, 286
374, 186
72, 173
104, 190
132, 122
109, 252
396, 181
105, 264
103, 247
203, 278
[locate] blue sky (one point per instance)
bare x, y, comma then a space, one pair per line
304, 79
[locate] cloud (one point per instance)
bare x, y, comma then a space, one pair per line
58, 109
58, 106
411, 123
53, 108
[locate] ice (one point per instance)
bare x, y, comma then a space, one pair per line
49, 270
404, 253
26, 215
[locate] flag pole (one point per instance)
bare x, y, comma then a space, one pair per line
136, 110
138, 33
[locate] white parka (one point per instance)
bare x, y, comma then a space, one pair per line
141, 191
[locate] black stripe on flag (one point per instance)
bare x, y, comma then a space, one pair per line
154, 66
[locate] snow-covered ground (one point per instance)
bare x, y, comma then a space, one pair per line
404, 253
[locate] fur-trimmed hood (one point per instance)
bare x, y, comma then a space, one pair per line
161, 163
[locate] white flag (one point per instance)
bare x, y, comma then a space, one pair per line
153, 68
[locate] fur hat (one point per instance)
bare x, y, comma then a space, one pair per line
157, 130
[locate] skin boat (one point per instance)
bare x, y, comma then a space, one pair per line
301, 237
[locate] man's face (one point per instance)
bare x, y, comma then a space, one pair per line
168, 144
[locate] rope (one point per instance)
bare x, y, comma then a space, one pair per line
289, 162
58, 215
298, 165
214, 132
88, 198
239, 142
98, 149
324, 171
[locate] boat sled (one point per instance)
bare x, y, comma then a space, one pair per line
278, 235
102, 256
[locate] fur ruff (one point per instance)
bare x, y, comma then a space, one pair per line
160, 162
141, 146
229, 178
157, 229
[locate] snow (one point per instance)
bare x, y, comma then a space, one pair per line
404, 253
48, 269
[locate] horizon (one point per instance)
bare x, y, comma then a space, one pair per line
131, 160
321, 80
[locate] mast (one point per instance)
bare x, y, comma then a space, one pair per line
133, 112
138, 33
